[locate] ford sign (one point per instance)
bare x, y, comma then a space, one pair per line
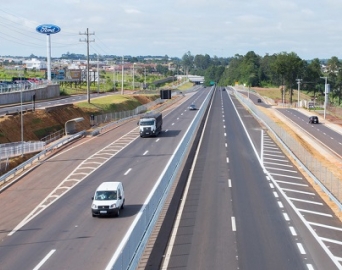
48, 29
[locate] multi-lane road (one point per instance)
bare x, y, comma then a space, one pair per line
240, 212
47, 213
244, 212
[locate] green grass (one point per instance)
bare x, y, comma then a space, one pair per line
109, 103
185, 86
276, 94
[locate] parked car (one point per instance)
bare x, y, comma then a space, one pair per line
313, 120
192, 107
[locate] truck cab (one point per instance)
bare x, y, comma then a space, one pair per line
150, 124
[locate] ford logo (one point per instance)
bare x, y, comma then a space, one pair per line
48, 29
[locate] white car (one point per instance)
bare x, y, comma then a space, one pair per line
108, 199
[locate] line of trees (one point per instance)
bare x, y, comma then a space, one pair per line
282, 69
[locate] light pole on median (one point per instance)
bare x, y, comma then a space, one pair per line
298, 82
21, 117
326, 91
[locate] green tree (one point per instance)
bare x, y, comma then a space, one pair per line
267, 75
232, 74
249, 69
187, 62
289, 66
312, 76
202, 62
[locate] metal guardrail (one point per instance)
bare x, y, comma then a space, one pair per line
328, 182
128, 254
27, 164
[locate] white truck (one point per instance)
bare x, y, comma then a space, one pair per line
150, 124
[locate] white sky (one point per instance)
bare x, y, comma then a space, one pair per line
162, 27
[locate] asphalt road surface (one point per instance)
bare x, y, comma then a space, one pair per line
234, 216
240, 213
328, 137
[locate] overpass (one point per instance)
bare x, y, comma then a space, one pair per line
192, 78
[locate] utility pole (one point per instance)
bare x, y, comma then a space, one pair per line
298, 82
133, 77
122, 75
114, 77
87, 40
98, 75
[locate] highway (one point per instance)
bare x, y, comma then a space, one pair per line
238, 214
47, 213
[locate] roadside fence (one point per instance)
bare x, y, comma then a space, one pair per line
8, 150
54, 136
28, 164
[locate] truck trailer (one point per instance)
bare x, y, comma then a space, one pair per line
150, 124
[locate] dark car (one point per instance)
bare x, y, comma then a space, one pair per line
259, 100
313, 120
192, 107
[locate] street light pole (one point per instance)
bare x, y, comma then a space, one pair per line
325, 94
298, 82
98, 75
21, 119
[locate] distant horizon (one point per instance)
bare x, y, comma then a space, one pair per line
143, 56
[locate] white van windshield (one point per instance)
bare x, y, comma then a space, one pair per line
105, 195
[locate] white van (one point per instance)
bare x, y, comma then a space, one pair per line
108, 199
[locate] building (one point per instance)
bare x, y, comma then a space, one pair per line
35, 64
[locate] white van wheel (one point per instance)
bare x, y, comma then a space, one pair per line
118, 212
123, 203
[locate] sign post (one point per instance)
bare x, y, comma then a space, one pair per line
48, 29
